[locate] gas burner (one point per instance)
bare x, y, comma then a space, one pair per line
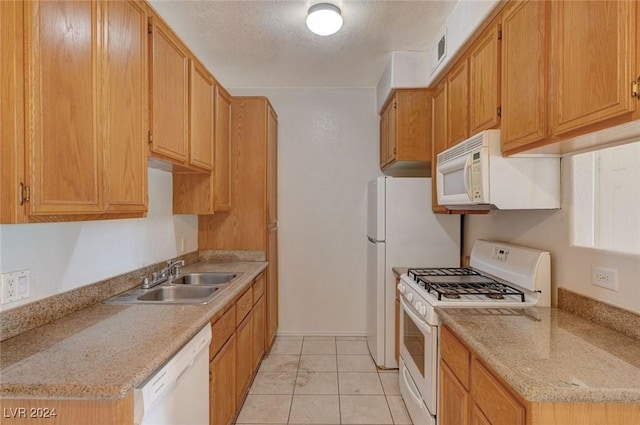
495, 296
451, 295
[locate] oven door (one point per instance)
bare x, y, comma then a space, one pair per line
419, 352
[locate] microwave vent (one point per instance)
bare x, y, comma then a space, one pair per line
463, 148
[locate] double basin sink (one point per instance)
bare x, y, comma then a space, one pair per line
189, 288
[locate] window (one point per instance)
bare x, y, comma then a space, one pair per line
606, 198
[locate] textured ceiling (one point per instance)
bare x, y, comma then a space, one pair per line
266, 43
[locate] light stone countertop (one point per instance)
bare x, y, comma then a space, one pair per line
106, 350
551, 355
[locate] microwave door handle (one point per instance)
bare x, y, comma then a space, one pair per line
466, 177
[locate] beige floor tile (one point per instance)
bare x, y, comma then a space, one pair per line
352, 347
318, 363
289, 337
280, 362
351, 338
398, 410
319, 338
315, 409
359, 383
286, 346
274, 382
356, 363
316, 383
364, 409
265, 409
319, 347
390, 383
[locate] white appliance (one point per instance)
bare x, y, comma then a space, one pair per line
178, 393
402, 231
501, 275
474, 175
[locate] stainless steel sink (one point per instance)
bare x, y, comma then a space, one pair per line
203, 278
179, 294
189, 288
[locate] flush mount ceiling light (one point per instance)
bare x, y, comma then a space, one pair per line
324, 19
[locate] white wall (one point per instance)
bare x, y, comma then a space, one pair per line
552, 231
64, 256
327, 152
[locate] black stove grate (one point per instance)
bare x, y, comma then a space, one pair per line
441, 282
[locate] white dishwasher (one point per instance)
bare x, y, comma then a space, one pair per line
178, 393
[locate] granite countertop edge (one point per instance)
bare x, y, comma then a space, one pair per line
529, 389
187, 321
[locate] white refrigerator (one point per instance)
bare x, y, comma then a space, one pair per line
402, 231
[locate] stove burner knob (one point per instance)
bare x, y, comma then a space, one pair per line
410, 296
423, 310
401, 288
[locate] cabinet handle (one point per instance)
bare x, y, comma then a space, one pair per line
634, 88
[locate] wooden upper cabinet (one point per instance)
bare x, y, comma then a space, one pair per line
592, 61
458, 103
201, 116
125, 115
405, 127
484, 81
11, 111
222, 156
169, 89
388, 138
272, 167
439, 138
62, 138
525, 41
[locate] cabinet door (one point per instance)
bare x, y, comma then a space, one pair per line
201, 118
592, 61
457, 104
272, 166
243, 358
11, 111
62, 136
454, 399
259, 326
484, 81
498, 405
222, 388
525, 36
439, 138
477, 418
222, 156
272, 286
388, 134
124, 117
412, 141
169, 94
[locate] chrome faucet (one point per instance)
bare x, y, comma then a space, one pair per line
174, 267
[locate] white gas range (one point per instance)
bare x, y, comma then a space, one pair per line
500, 275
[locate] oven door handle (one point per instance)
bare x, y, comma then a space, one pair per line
420, 322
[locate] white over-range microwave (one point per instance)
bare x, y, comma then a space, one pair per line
474, 175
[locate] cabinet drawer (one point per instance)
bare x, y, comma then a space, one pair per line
456, 355
243, 306
258, 288
221, 330
493, 399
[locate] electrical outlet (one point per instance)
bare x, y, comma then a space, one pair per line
15, 286
605, 278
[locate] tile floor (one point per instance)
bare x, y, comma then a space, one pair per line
323, 380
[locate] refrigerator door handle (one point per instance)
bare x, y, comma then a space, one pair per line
372, 240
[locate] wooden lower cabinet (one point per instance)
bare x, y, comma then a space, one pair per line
259, 324
244, 365
491, 401
454, 398
233, 366
222, 394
